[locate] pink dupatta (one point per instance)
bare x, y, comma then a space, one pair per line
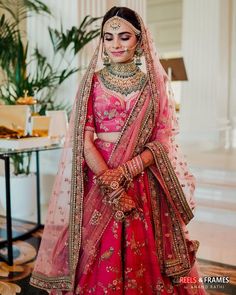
73, 228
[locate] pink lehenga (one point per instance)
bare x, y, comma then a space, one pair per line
85, 249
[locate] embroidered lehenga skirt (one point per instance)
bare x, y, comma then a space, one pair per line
127, 258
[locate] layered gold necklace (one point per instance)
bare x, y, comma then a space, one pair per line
123, 78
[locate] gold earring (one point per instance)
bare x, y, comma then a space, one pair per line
106, 59
137, 56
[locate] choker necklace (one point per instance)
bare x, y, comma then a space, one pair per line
123, 78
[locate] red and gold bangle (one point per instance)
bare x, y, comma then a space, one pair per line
135, 166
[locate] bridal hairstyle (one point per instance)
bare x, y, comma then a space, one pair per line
124, 12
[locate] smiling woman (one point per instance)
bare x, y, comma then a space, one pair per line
120, 42
121, 37
123, 196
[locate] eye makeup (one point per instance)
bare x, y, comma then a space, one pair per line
125, 36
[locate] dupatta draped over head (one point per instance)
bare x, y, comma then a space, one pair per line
73, 228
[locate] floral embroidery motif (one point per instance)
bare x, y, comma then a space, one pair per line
95, 217
140, 272
112, 269
110, 111
115, 229
131, 284
106, 255
103, 145
135, 245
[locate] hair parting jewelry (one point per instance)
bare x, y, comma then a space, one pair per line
115, 22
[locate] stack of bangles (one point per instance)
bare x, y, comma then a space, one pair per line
134, 166
115, 181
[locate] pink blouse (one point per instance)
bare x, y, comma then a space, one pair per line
107, 111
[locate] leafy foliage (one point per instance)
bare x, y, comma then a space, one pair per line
77, 37
21, 70
15, 61
21, 9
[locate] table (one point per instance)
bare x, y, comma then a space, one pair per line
5, 155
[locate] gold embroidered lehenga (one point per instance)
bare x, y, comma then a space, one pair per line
86, 249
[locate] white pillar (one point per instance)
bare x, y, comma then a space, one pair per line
232, 97
205, 44
137, 5
96, 9
37, 31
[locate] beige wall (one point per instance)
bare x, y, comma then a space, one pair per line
206, 46
204, 33
164, 18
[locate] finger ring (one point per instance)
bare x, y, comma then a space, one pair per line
114, 185
119, 215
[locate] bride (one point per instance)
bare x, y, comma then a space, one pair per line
123, 195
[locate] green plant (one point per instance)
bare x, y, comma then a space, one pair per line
16, 63
21, 163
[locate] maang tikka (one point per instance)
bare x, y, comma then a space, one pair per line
115, 22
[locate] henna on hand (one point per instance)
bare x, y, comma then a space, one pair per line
121, 203
111, 179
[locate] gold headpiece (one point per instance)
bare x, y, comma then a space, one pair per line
115, 22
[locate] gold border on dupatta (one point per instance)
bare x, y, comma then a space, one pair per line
179, 264
145, 130
152, 79
66, 283
170, 179
77, 185
133, 114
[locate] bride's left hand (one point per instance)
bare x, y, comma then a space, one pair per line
111, 179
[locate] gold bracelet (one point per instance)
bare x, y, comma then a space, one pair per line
127, 174
135, 166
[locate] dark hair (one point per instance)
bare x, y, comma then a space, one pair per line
124, 12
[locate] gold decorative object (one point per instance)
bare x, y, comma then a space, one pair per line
26, 100
7, 132
40, 125
177, 107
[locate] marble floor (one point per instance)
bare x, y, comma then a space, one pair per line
214, 224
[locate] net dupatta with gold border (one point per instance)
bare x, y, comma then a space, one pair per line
69, 235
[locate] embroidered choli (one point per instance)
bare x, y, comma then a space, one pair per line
107, 111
